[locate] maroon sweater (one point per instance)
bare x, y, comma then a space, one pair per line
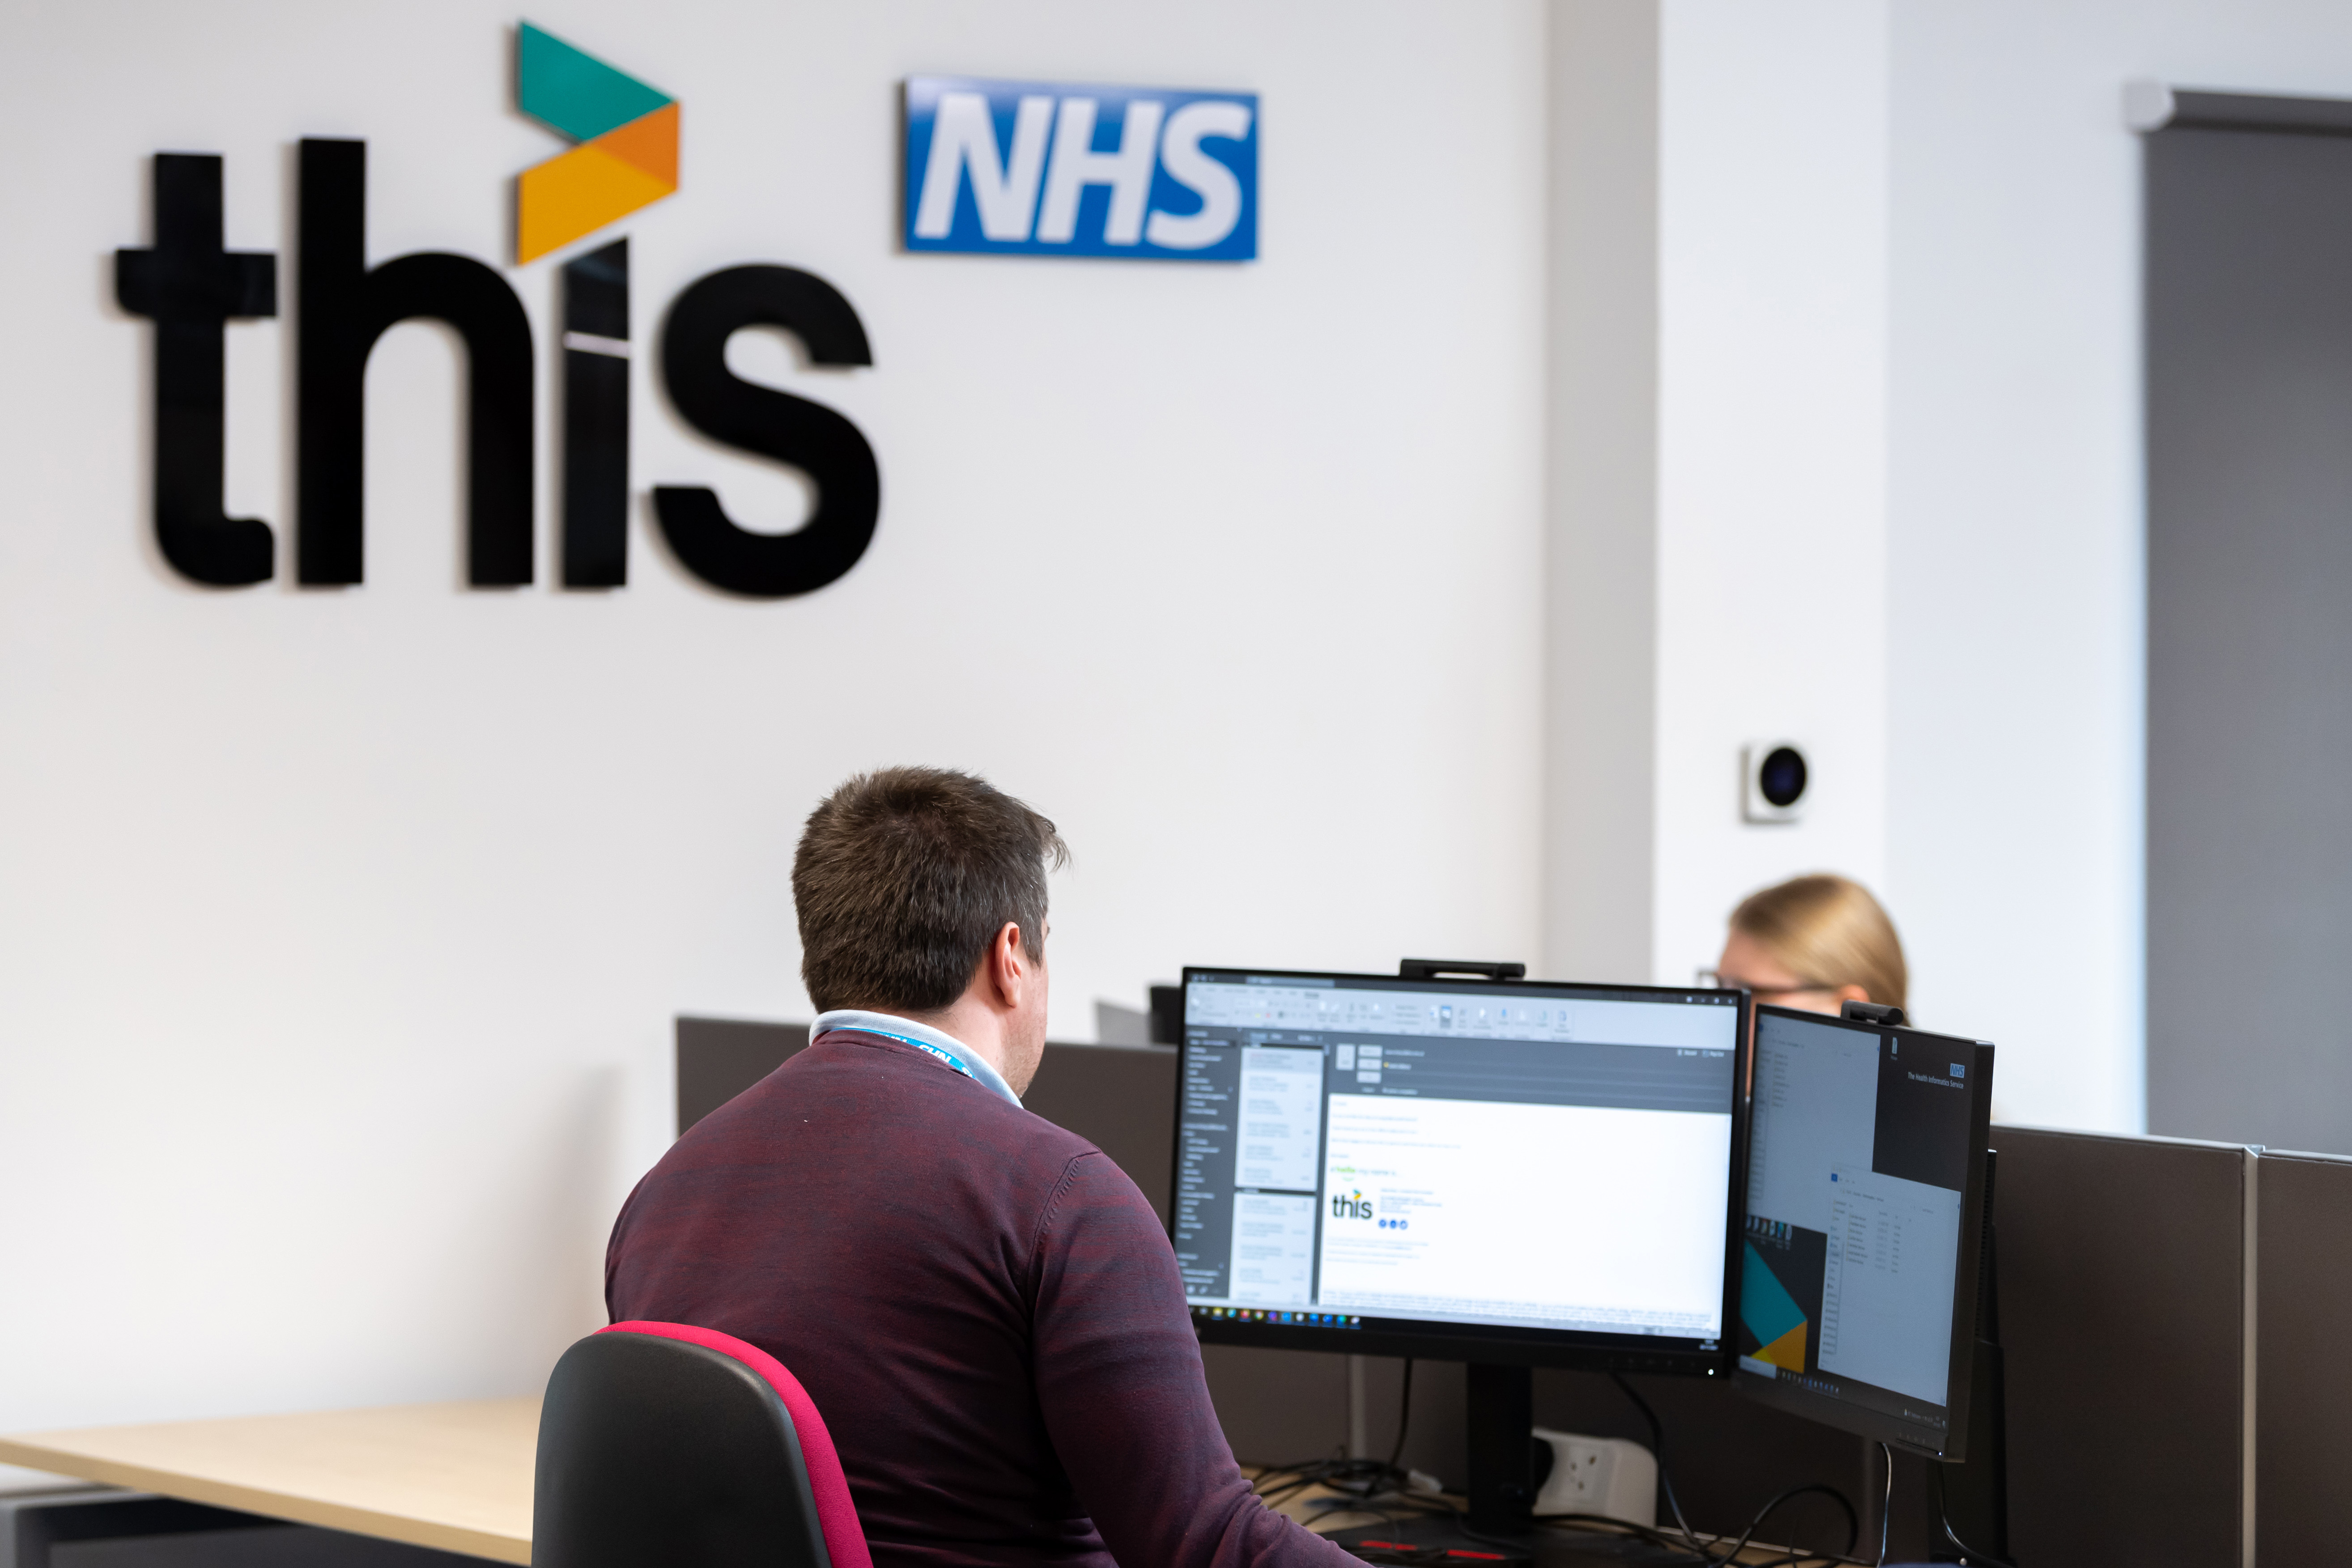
982, 1304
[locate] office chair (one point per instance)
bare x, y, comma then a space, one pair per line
665, 1444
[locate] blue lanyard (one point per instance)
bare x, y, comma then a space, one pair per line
948, 1057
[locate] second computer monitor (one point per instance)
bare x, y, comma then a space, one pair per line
1465, 1169
1865, 1208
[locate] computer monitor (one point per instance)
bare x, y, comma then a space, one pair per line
1494, 1172
1865, 1231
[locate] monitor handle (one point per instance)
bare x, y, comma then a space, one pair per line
1875, 1012
1434, 968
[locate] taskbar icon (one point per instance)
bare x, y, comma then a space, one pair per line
1276, 1316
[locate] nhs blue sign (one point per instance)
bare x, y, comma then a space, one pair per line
1022, 168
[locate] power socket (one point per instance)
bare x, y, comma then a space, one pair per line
1615, 1477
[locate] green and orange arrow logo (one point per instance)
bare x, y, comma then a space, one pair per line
628, 155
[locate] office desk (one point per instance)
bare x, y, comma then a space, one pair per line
456, 1477
453, 1477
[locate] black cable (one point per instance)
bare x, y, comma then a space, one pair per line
1852, 1520
1641, 1532
1518, 1544
1363, 1477
1278, 1483
1658, 1447
1334, 1471
1404, 1416
1943, 1517
1668, 1543
1886, 1503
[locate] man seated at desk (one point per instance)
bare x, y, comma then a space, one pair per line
984, 1307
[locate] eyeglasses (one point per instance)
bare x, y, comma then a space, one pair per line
1715, 980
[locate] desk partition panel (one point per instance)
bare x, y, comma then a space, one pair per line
2303, 1403
718, 1058
2123, 1289
1121, 1098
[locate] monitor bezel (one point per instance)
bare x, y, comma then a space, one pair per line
1844, 1415
1505, 1346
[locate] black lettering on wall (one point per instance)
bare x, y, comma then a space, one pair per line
345, 307
791, 430
596, 418
191, 289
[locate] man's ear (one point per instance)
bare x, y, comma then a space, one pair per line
1007, 963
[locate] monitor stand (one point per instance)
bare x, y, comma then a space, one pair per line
1968, 1500
1500, 1522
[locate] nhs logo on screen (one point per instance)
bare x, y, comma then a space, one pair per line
1032, 169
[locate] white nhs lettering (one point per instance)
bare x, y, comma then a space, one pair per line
1180, 176
964, 137
1127, 172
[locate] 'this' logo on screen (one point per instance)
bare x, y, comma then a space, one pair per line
1351, 1205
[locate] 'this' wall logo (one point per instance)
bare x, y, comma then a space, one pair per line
190, 288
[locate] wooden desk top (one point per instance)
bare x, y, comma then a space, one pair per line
456, 1477
453, 1477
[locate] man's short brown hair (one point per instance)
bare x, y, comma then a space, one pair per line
905, 875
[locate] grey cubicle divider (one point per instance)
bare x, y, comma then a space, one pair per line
2303, 1404
1121, 1098
718, 1058
2123, 1289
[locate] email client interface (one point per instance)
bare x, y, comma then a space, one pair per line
1354, 1150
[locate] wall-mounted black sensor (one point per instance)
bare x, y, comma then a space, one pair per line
1774, 776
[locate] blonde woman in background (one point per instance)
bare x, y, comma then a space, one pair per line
1814, 942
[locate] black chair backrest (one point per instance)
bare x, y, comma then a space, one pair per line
653, 1453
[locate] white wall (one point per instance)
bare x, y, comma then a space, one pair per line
342, 931
1771, 454
1718, 462
2015, 848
